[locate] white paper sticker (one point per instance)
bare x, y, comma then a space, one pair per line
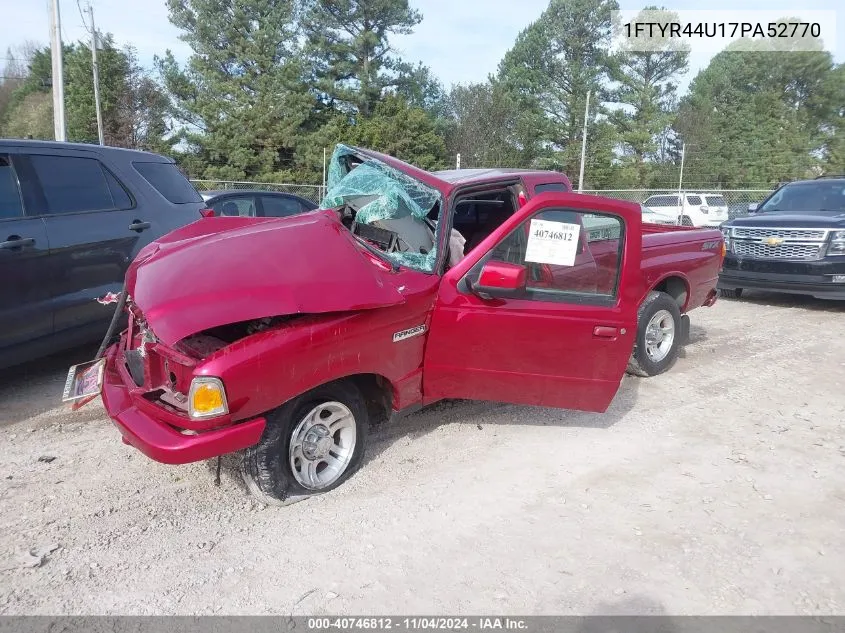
552, 243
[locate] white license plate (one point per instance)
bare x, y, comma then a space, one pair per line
84, 380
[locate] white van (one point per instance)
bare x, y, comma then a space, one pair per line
698, 209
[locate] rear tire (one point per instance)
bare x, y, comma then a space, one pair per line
685, 220
311, 445
731, 293
659, 333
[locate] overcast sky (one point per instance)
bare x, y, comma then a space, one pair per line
460, 40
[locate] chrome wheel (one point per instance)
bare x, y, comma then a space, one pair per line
659, 335
322, 445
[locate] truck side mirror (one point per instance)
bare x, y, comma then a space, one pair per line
752, 208
499, 278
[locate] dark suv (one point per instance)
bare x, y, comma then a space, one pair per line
72, 217
794, 242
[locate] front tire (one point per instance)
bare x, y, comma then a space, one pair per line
685, 220
311, 445
658, 335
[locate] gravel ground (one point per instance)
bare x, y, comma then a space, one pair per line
716, 488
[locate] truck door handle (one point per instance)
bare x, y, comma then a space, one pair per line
14, 242
605, 331
139, 226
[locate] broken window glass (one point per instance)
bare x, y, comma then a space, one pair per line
384, 206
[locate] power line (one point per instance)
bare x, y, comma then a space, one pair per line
82, 17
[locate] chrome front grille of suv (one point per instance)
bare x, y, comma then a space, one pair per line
782, 251
798, 244
809, 235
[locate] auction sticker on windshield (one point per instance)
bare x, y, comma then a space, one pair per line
552, 243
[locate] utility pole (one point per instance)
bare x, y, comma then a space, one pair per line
96, 75
58, 72
584, 144
681, 183
324, 172
458, 161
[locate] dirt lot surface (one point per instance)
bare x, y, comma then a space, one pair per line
716, 488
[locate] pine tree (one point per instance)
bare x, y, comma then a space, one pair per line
646, 89
351, 55
242, 98
552, 66
756, 118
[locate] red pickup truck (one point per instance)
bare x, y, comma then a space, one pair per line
287, 337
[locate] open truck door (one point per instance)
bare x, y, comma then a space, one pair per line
505, 330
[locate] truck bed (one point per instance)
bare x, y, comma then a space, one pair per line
686, 258
691, 254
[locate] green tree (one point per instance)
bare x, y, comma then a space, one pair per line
421, 89
487, 128
132, 105
834, 129
645, 75
554, 63
242, 100
353, 61
32, 117
395, 128
80, 109
14, 74
36, 78
399, 130
755, 118
143, 110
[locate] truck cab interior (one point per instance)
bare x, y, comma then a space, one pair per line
478, 214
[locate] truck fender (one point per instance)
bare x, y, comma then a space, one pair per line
675, 284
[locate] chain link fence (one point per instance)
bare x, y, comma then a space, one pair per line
736, 199
314, 193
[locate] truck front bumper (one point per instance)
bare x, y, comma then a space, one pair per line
157, 435
814, 278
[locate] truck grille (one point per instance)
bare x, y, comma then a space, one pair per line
779, 243
786, 250
808, 235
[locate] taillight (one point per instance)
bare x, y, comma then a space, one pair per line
207, 213
521, 199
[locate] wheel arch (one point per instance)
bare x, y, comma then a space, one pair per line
674, 284
378, 393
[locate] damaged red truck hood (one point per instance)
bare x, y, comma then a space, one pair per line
224, 270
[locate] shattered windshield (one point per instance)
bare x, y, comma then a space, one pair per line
384, 207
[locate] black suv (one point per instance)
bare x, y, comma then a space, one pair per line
794, 242
72, 217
